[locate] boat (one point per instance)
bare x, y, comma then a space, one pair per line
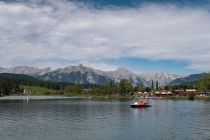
140, 104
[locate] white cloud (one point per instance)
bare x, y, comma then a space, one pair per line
61, 33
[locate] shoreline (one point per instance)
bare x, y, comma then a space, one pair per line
42, 97
39, 97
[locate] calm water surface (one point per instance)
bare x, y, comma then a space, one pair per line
86, 119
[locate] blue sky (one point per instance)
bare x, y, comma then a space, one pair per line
141, 35
144, 65
135, 3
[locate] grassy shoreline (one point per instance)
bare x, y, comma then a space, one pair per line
117, 97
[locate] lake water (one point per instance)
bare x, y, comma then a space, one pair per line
87, 119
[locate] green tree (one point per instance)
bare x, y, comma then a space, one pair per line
125, 87
166, 88
73, 89
8, 87
138, 88
147, 89
152, 85
157, 86
204, 84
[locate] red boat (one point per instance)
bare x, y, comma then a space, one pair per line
140, 104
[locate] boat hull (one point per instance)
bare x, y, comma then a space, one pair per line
140, 106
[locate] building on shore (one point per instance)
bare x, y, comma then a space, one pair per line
162, 93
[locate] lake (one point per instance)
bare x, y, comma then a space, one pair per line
88, 119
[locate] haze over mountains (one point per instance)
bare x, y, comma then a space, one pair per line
86, 75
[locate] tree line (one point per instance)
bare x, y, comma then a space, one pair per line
124, 87
204, 84
8, 86
14, 86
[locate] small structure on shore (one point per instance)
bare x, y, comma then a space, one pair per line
162, 93
190, 90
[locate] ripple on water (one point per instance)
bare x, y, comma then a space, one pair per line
88, 119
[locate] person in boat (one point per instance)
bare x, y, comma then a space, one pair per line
145, 101
142, 102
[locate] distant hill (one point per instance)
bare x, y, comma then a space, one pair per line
189, 80
20, 77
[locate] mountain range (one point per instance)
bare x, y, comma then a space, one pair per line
86, 75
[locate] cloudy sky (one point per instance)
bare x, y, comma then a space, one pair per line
141, 35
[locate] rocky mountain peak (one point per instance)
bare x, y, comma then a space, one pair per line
163, 78
70, 69
123, 71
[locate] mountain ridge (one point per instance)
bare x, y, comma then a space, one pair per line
86, 75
